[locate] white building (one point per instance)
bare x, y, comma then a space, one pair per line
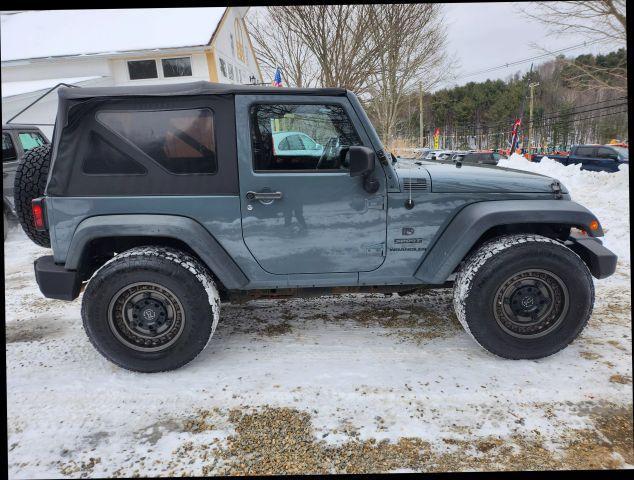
41, 49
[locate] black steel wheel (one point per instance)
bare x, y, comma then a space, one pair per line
530, 303
523, 296
151, 309
146, 317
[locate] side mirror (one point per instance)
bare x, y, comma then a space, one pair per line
361, 160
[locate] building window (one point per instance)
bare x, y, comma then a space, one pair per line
181, 141
177, 67
142, 69
223, 68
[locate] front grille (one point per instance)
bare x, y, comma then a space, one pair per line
415, 184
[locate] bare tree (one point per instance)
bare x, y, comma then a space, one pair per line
277, 46
600, 21
597, 20
339, 39
414, 51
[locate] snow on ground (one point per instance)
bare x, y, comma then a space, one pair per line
354, 383
605, 194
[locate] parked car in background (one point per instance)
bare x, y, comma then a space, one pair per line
16, 141
484, 158
290, 144
422, 153
599, 158
439, 155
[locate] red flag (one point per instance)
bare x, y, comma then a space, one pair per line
514, 134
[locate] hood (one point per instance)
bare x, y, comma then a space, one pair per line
447, 178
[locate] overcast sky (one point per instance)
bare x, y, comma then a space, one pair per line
483, 35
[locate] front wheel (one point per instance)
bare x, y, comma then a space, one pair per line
523, 296
151, 309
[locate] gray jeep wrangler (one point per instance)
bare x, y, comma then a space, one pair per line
162, 202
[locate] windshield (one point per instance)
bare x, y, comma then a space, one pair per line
622, 152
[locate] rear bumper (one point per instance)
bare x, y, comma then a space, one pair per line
600, 261
55, 281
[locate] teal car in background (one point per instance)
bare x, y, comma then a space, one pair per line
289, 144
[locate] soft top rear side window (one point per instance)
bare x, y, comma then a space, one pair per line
106, 159
181, 141
174, 139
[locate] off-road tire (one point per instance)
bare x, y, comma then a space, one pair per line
183, 275
30, 180
483, 273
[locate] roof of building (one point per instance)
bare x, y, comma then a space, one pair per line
62, 33
10, 89
191, 88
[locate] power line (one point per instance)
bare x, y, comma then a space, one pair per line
566, 113
526, 60
570, 110
544, 120
575, 120
458, 136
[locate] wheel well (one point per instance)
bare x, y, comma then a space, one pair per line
100, 250
555, 231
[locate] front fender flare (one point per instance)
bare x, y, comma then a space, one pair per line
452, 245
172, 226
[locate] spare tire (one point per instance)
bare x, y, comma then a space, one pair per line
30, 181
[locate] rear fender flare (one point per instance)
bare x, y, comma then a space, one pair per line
173, 226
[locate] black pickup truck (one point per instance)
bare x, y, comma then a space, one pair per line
600, 158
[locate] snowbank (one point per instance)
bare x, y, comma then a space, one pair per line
605, 194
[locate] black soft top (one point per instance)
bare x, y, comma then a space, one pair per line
76, 127
190, 88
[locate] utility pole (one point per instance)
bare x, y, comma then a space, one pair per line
420, 118
530, 117
517, 130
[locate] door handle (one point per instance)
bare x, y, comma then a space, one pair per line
263, 195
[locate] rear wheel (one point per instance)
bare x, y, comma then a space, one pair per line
30, 181
151, 309
523, 296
